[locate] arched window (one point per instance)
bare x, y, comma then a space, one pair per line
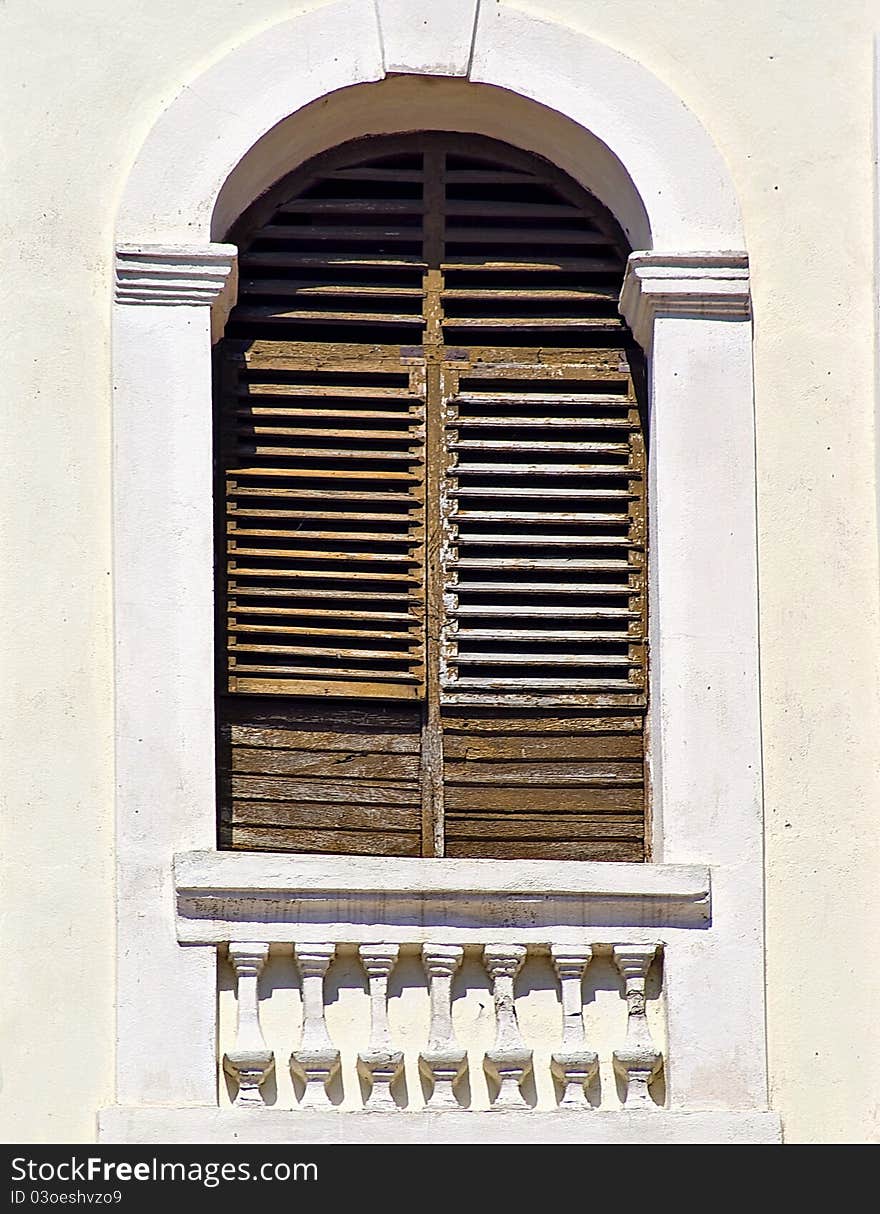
431, 514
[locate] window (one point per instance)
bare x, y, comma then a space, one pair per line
431, 518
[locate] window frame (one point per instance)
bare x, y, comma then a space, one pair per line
686, 301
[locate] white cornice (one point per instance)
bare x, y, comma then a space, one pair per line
708, 286
173, 274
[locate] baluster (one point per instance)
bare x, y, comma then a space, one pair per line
316, 1061
574, 1066
442, 1060
251, 1061
638, 1062
380, 1063
510, 1059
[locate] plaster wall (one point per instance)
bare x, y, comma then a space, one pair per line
785, 89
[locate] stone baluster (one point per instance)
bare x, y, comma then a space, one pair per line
574, 1066
510, 1059
380, 1062
251, 1061
316, 1061
638, 1061
442, 1060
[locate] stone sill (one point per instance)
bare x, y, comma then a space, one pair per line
269, 1126
276, 898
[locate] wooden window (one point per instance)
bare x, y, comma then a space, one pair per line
431, 514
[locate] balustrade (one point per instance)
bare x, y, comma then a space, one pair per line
466, 1024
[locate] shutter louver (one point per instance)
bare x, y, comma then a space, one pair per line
433, 514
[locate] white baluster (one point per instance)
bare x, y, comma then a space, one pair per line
510, 1059
574, 1066
251, 1061
380, 1062
442, 1060
317, 1060
638, 1061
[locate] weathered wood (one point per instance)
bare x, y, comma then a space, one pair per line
544, 849
326, 685
282, 788
380, 743
541, 746
536, 410
563, 828
543, 800
326, 816
551, 772
328, 842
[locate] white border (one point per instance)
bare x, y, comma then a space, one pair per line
653, 164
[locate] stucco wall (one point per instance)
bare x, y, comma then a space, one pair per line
785, 89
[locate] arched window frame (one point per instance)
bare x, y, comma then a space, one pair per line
690, 312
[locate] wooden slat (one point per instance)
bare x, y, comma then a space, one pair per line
540, 800
336, 765
543, 849
281, 788
542, 746
326, 686
296, 815
559, 773
570, 828
383, 743
325, 842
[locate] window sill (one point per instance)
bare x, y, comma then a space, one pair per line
274, 897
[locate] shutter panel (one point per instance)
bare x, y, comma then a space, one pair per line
433, 514
543, 560
323, 451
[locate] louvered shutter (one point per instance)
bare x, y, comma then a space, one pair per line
434, 514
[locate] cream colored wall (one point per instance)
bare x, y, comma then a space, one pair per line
785, 90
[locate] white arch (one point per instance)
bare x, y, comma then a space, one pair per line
651, 161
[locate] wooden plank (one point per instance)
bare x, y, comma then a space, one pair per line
521, 849
328, 765
323, 816
343, 633
323, 392
597, 323
552, 771
326, 686
582, 828
542, 746
570, 447
268, 314
543, 800
367, 261
404, 654
514, 236
326, 842
577, 265
542, 659
338, 434
353, 206
280, 788
314, 288
339, 233
326, 740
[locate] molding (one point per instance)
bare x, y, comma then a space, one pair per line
163, 275
706, 286
185, 1126
274, 897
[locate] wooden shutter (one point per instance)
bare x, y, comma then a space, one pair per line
433, 512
